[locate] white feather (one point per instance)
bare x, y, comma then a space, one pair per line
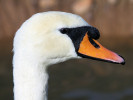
37, 44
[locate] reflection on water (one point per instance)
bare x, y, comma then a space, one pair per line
92, 95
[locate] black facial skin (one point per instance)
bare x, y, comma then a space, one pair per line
77, 34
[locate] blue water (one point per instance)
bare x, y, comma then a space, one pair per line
92, 95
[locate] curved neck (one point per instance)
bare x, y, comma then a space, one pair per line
30, 79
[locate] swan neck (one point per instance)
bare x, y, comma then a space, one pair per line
30, 79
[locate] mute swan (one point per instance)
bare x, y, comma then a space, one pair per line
48, 38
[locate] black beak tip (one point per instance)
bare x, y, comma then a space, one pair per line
123, 63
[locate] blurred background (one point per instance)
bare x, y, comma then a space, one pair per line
76, 79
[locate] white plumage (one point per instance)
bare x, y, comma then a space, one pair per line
37, 44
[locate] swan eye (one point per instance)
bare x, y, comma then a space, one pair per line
64, 30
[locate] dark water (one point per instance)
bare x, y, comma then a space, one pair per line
81, 79
93, 95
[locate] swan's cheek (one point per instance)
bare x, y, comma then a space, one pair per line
59, 47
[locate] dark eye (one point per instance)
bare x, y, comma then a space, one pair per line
64, 30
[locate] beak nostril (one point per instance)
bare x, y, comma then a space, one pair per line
94, 43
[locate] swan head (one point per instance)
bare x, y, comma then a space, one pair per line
58, 36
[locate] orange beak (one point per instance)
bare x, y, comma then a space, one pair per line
92, 49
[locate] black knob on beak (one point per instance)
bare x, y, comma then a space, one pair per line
93, 33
